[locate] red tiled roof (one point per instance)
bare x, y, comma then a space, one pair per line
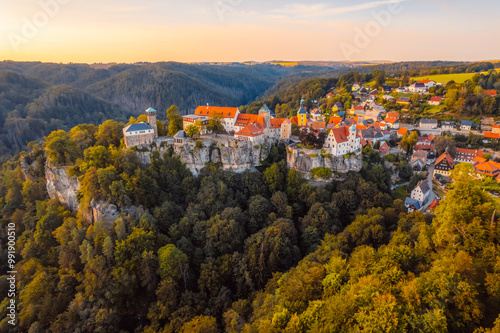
294, 120
251, 130
341, 134
210, 111
403, 131
358, 108
436, 98
391, 120
384, 148
393, 115
491, 92
470, 152
445, 156
431, 137
245, 119
491, 135
318, 125
276, 122
335, 120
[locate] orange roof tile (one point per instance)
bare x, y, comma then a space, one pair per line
391, 120
403, 131
341, 134
210, 111
335, 120
491, 135
446, 156
245, 119
478, 160
294, 120
276, 122
491, 92
393, 114
251, 130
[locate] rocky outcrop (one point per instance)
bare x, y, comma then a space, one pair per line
62, 186
108, 213
236, 156
303, 161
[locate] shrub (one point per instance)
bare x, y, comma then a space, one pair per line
322, 173
199, 144
313, 155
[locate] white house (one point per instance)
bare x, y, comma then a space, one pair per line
421, 192
429, 83
343, 141
418, 87
448, 125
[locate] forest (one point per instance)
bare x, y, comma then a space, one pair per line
260, 251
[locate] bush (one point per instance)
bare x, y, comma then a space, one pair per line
313, 155
199, 144
322, 173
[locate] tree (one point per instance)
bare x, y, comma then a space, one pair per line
173, 263
201, 324
61, 150
109, 133
215, 124
443, 142
192, 130
175, 120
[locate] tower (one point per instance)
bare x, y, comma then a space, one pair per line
151, 113
265, 113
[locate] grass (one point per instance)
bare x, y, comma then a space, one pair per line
400, 193
433, 109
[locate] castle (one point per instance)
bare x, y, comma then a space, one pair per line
141, 133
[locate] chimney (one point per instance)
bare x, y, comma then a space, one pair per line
208, 105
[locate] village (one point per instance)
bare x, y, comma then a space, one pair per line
342, 133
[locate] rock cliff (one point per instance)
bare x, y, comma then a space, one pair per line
62, 186
303, 161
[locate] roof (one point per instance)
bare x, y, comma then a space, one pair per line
384, 148
404, 99
181, 135
335, 120
302, 110
490, 92
418, 85
466, 123
447, 123
491, 135
150, 110
403, 131
316, 111
339, 105
436, 98
488, 167
319, 124
393, 114
244, 119
409, 202
371, 132
478, 160
252, 130
427, 81
428, 121
286, 121
138, 127
445, 157
431, 137
294, 120
475, 152
276, 122
341, 134
265, 108
391, 120
225, 112
424, 186
434, 204
358, 108
419, 154
374, 92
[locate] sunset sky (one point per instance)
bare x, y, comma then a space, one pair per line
240, 30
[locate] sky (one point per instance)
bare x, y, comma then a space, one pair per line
92, 31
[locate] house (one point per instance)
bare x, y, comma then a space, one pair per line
276, 128
448, 126
141, 133
180, 137
402, 131
373, 134
418, 87
228, 115
403, 101
417, 165
444, 164
492, 93
357, 108
286, 129
467, 155
374, 92
335, 120
428, 123
318, 125
388, 97
429, 83
386, 88
466, 125
422, 191
490, 168
253, 132
412, 205
392, 115
435, 100
491, 135
363, 91
356, 87
419, 155
424, 141
337, 107
316, 113
401, 89
393, 123
487, 121
343, 140
192, 119
373, 115
384, 149
424, 147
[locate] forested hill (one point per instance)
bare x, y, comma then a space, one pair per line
251, 252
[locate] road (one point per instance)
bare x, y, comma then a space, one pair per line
438, 131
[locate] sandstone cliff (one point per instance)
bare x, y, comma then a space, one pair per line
62, 186
303, 161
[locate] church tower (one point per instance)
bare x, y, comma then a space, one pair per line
151, 113
265, 113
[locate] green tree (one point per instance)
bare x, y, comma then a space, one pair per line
61, 150
175, 120
173, 263
192, 130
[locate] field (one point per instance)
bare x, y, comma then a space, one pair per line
433, 109
445, 78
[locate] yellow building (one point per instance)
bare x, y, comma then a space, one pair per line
302, 116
